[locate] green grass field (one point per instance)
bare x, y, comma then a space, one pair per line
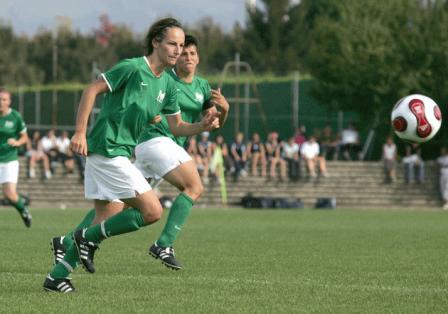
242, 261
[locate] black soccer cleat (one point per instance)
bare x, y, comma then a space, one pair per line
58, 285
86, 250
26, 217
166, 255
58, 249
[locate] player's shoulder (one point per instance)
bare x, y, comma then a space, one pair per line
201, 81
14, 113
202, 84
171, 80
133, 63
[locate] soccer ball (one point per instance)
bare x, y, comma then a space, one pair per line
416, 118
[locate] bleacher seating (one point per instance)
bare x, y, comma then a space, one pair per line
354, 184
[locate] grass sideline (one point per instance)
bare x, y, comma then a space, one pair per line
241, 261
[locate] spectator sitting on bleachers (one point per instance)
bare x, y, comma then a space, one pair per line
291, 155
413, 162
389, 160
50, 148
219, 142
257, 155
64, 152
442, 161
273, 153
310, 153
329, 144
350, 143
299, 135
35, 154
205, 152
238, 152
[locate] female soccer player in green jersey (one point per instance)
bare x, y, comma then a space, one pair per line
12, 135
137, 91
162, 155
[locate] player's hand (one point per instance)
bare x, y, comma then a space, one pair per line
13, 142
210, 121
156, 119
219, 100
78, 143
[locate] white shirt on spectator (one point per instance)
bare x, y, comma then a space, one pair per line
63, 144
389, 151
310, 150
48, 143
290, 150
349, 136
442, 161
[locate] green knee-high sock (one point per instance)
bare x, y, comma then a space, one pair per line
19, 205
126, 221
67, 265
179, 212
86, 222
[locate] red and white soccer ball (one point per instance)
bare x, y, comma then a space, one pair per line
416, 118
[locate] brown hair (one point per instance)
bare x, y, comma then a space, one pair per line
157, 32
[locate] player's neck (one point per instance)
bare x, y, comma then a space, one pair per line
4, 113
155, 65
186, 77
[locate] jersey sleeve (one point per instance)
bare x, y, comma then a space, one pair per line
171, 106
21, 126
118, 75
207, 90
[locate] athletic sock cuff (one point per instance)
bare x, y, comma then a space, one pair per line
187, 198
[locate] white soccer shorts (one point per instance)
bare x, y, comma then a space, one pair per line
158, 156
112, 178
9, 172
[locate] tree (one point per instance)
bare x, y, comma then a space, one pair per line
269, 36
216, 47
14, 67
369, 54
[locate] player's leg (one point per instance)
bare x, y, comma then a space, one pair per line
186, 178
145, 210
161, 157
10, 193
57, 280
60, 245
9, 173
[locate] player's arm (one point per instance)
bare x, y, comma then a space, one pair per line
178, 127
23, 139
28, 145
221, 103
79, 142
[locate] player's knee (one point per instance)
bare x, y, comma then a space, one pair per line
194, 191
153, 215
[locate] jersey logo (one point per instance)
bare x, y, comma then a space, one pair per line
199, 97
144, 84
9, 124
161, 96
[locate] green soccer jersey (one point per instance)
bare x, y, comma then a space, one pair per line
136, 96
11, 126
192, 97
